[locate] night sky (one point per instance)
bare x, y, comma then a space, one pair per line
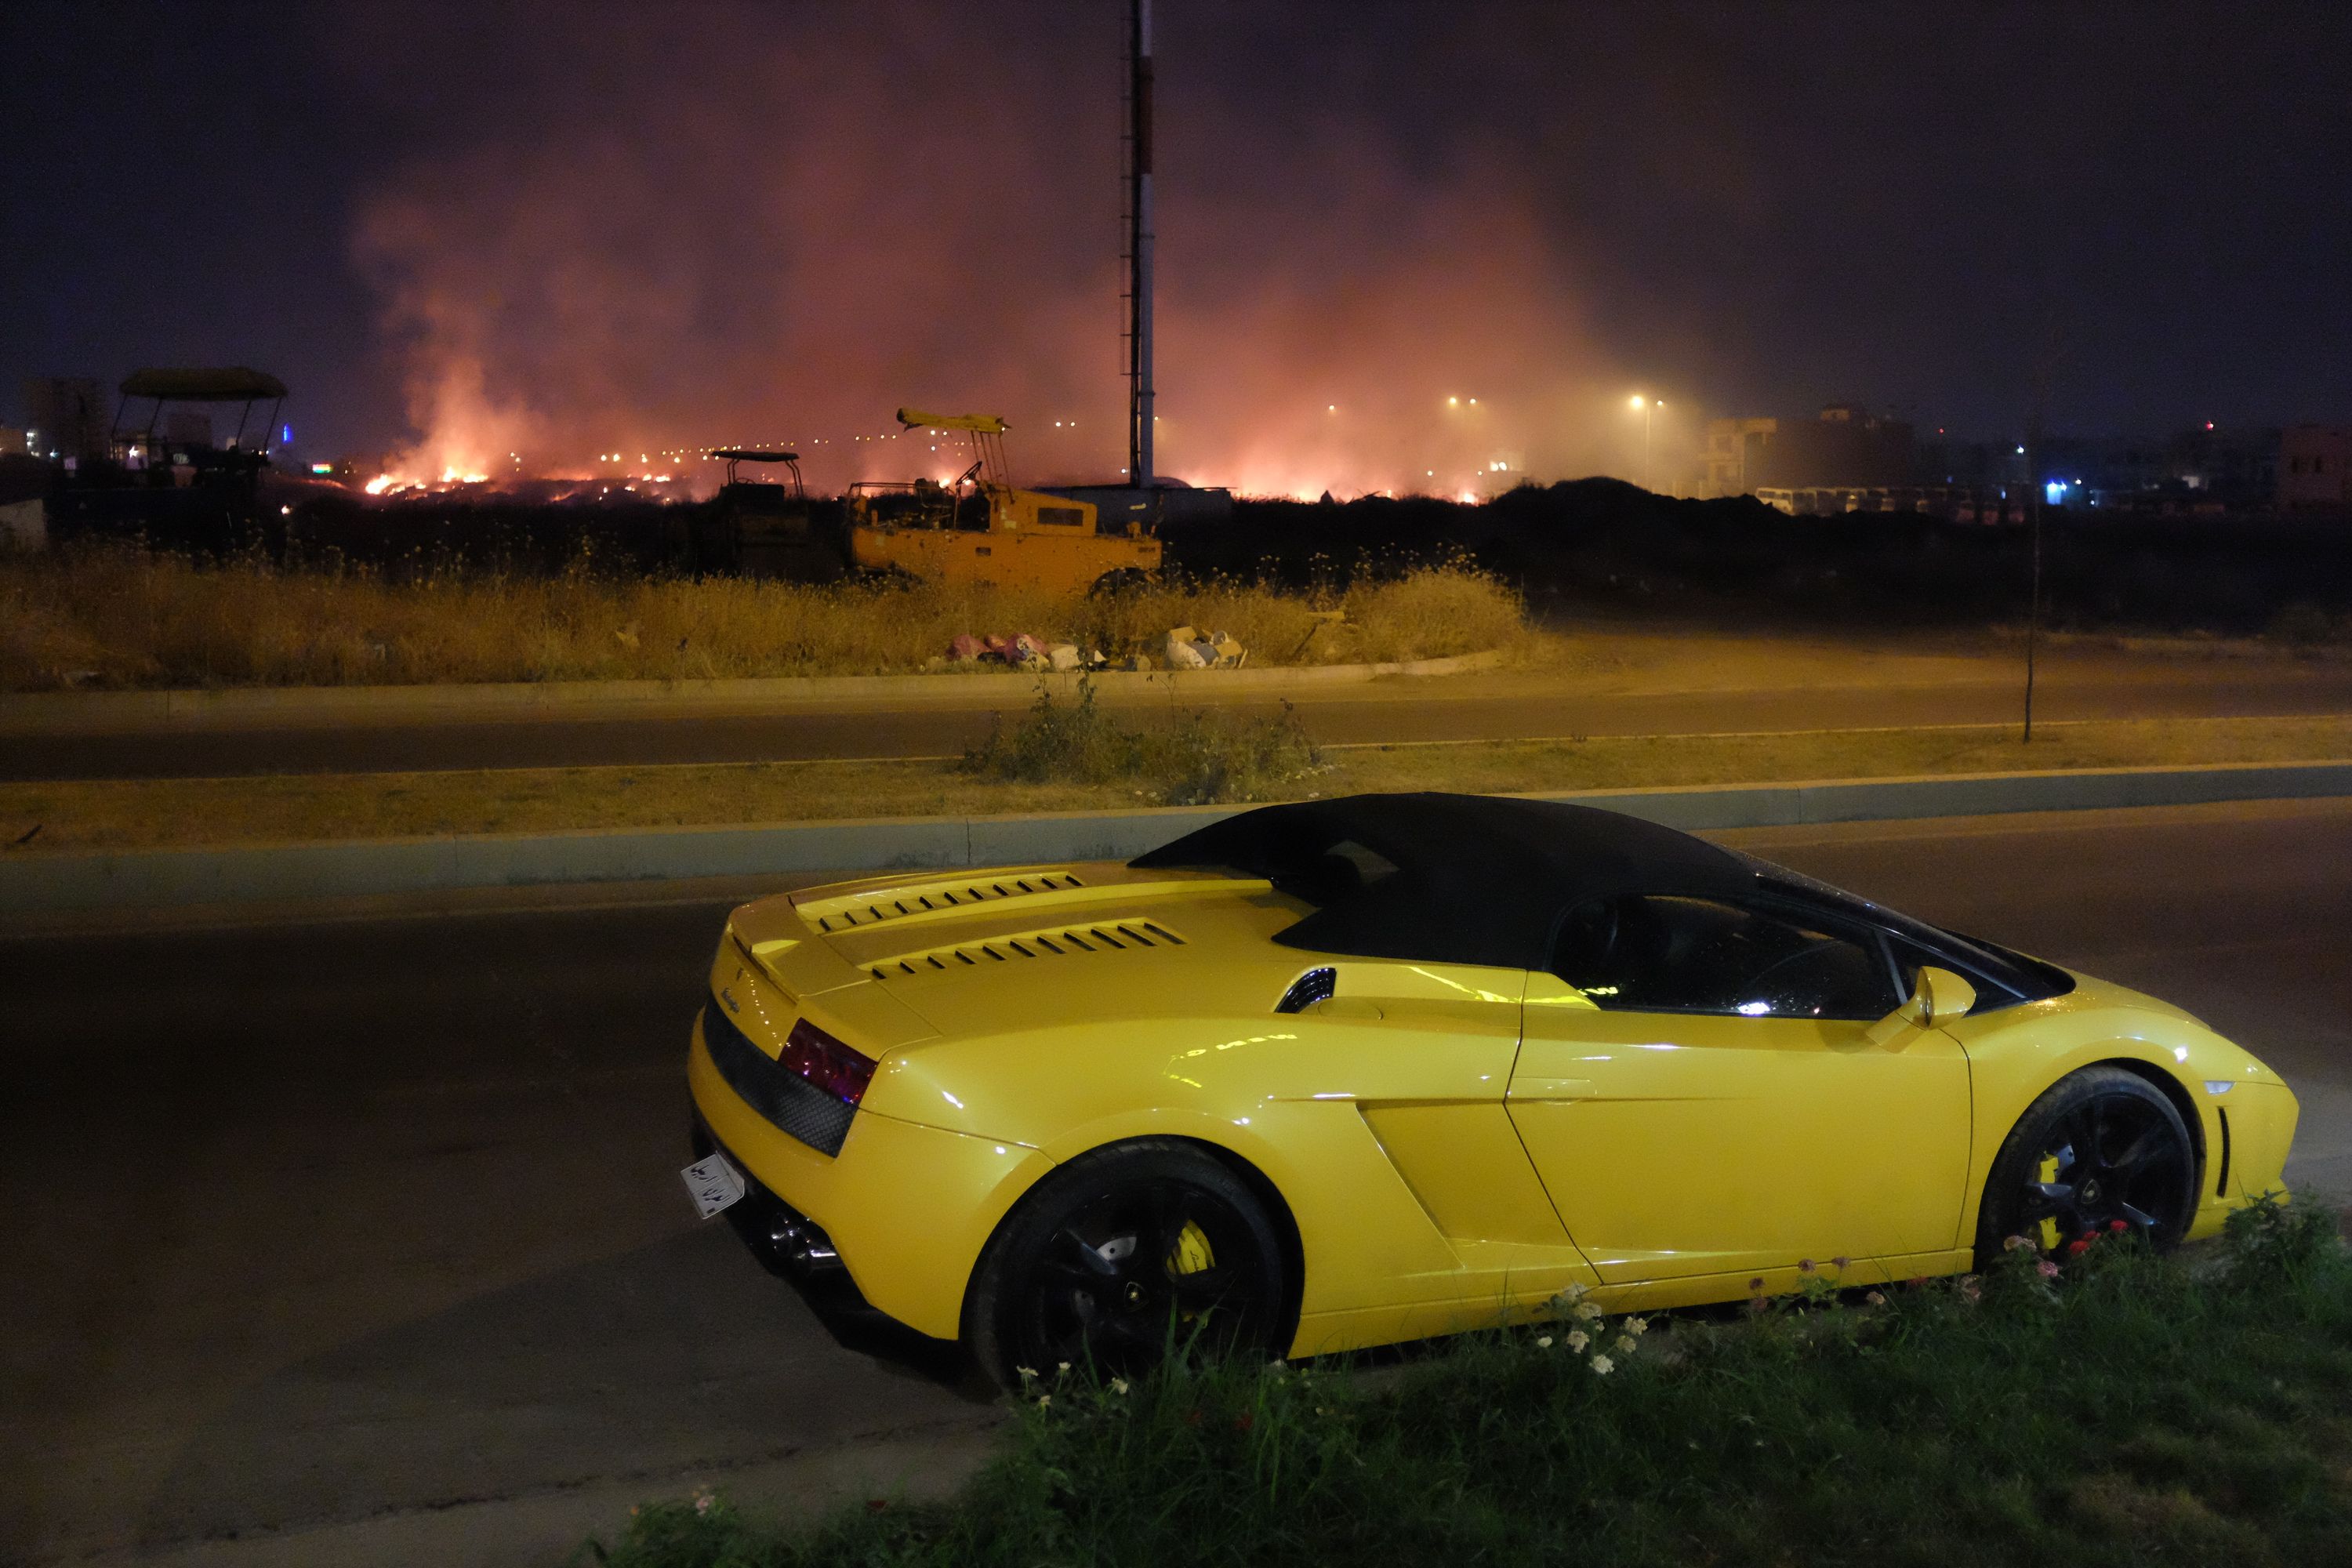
557, 228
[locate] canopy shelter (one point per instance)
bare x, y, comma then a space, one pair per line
987, 433
223, 383
734, 455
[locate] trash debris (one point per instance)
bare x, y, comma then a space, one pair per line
1182, 650
1063, 656
966, 648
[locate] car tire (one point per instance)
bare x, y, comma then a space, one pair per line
1121, 1255
2101, 1147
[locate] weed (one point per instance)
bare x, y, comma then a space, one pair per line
2132, 1408
123, 617
1206, 756
2274, 1238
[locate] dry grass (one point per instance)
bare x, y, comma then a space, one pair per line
133, 814
121, 618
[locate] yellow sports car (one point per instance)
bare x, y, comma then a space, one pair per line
1353, 1072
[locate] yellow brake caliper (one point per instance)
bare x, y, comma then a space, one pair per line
1192, 1253
2047, 1172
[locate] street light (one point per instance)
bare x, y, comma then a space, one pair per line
1649, 407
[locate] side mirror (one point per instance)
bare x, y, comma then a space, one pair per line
1939, 996
1945, 997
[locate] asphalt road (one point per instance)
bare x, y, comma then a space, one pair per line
1436, 708
326, 1232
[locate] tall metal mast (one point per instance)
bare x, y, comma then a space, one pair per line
1139, 244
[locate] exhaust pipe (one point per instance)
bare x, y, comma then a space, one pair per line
799, 1244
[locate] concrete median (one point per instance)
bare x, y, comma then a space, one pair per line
32, 882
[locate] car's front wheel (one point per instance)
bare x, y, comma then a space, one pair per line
2103, 1150
1120, 1257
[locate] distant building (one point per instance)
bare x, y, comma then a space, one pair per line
65, 417
1845, 447
2314, 466
1730, 444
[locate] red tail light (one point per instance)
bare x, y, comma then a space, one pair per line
826, 1062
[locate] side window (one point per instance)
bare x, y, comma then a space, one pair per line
1652, 953
1908, 959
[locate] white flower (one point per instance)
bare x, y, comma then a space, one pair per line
1063, 1369
1637, 1325
1876, 1298
1025, 1373
1603, 1365
1624, 1344
1587, 1311
1543, 1341
1118, 1385
1578, 1339
1043, 1400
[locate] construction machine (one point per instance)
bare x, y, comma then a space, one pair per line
168, 482
979, 528
761, 528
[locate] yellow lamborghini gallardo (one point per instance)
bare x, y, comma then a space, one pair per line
1347, 1072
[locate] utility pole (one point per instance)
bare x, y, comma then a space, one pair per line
1139, 244
2035, 495
2034, 598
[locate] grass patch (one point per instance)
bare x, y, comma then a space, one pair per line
137, 813
2136, 1409
1207, 755
119, 618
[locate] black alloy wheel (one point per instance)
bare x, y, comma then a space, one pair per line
1122, 1255
2103, 1151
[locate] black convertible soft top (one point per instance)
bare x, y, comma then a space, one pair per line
1476, 878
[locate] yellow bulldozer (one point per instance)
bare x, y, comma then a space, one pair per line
978, 528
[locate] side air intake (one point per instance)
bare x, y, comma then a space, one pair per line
1315, 985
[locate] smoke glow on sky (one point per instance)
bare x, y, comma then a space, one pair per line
790, 246
484, 228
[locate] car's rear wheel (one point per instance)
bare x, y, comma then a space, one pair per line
1121, 1256
2101, 1148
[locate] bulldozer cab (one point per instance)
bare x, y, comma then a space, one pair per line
979, 527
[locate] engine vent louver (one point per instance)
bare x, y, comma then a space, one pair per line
1065, 942
849, 914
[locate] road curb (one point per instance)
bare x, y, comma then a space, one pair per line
34, 882
115, 712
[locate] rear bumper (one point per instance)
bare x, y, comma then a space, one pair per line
780, 1235
906, 1209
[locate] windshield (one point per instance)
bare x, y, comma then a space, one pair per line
2029, 978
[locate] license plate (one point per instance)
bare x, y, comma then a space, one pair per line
714, 1183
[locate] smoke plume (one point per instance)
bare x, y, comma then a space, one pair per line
770, 223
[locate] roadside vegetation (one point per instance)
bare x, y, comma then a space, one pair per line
100, 618
2110, 1408
1056, 759
1204, 756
